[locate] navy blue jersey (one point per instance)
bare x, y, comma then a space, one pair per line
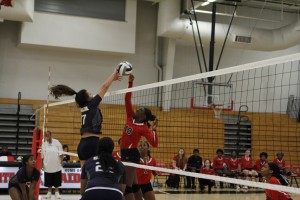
93, 171
91, 116
21, 177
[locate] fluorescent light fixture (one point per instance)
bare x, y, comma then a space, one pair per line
205, 3
211, 1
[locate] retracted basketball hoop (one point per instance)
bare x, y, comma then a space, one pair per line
217, 108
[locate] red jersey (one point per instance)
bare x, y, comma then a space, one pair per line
233, 164
219, 163
144, 175
276, 195
180, 163
280, 163
207, 171
259, 164
116, 155
134, 131
247, 163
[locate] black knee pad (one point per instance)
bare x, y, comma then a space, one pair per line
135, 188
128, 190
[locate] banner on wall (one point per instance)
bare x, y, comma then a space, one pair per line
70, 177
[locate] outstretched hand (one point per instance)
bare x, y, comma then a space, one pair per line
131, 78
117, 75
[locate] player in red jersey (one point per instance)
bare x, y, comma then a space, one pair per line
280, 162
247, 166
144, 175
117, 154
219, 164
260, 163
207, 169
272, 174
137, 125
234, 166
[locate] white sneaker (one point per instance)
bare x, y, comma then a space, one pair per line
48, 195
57, 196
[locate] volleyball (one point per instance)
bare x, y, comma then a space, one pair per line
124, 68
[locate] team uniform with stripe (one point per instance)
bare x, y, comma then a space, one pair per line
106, 184
280, 163
91, 122
233, 164
116, 155
144, 175
133, 132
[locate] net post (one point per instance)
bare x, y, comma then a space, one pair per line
37, 139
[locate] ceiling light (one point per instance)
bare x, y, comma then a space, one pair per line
205, 3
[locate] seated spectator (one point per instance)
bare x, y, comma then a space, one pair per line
179, 162
234, 166
206, 169
5, 152
247, 167
194, 164
261, 162
22, 185
280, 162
219, 164
66, 158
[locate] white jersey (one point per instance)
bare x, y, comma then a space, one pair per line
51, 156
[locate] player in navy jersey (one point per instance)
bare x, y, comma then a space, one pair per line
91, 117
137, 125
22, 185
102, 176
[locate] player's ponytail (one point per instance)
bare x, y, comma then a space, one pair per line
81, 97
149, 116
276, 172
104, 153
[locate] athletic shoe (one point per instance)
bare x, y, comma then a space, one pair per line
48, 195
57, 196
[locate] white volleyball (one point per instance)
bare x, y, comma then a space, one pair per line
124, 68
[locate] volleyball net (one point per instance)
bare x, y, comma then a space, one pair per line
252, 106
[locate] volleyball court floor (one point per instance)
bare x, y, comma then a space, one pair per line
169, 194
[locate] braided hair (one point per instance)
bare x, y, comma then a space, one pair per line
276, 173
104, 153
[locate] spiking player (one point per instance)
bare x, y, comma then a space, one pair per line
137, 125
91, 117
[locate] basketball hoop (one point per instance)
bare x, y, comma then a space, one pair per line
217, 108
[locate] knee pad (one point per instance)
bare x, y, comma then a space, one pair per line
128, 190
135, 188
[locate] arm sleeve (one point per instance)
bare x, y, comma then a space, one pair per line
95, 101
151, 137
129, 109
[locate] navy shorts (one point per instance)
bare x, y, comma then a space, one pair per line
105, 194
131, 155
52, 179
87, 147
146, 187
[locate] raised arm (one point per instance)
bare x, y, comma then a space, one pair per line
105, 86
129, 108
